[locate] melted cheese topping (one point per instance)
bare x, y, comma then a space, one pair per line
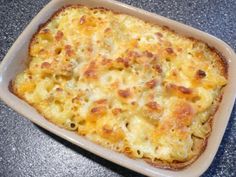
128, 85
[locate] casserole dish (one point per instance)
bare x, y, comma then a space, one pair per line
107, 6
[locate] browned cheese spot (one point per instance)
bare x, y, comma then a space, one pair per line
154, 106
116, 111
181, 89
200, 74
148, 54
59, 35
169, 50
106, 61
59, 89
101, 101
133, 54
158, 34
90, 72
107, 30
124, 93
98, 111
158, 68
45, 65
151, 84
69, 50
107, 129
185, 90
124, 61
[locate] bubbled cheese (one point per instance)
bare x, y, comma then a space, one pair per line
126, 84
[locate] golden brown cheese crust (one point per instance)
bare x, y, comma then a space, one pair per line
122, 87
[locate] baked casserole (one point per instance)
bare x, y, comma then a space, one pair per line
126, 84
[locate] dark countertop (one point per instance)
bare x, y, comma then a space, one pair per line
27, 150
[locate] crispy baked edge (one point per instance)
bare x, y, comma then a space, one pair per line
199, 147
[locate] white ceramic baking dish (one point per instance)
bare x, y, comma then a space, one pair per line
14, 62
